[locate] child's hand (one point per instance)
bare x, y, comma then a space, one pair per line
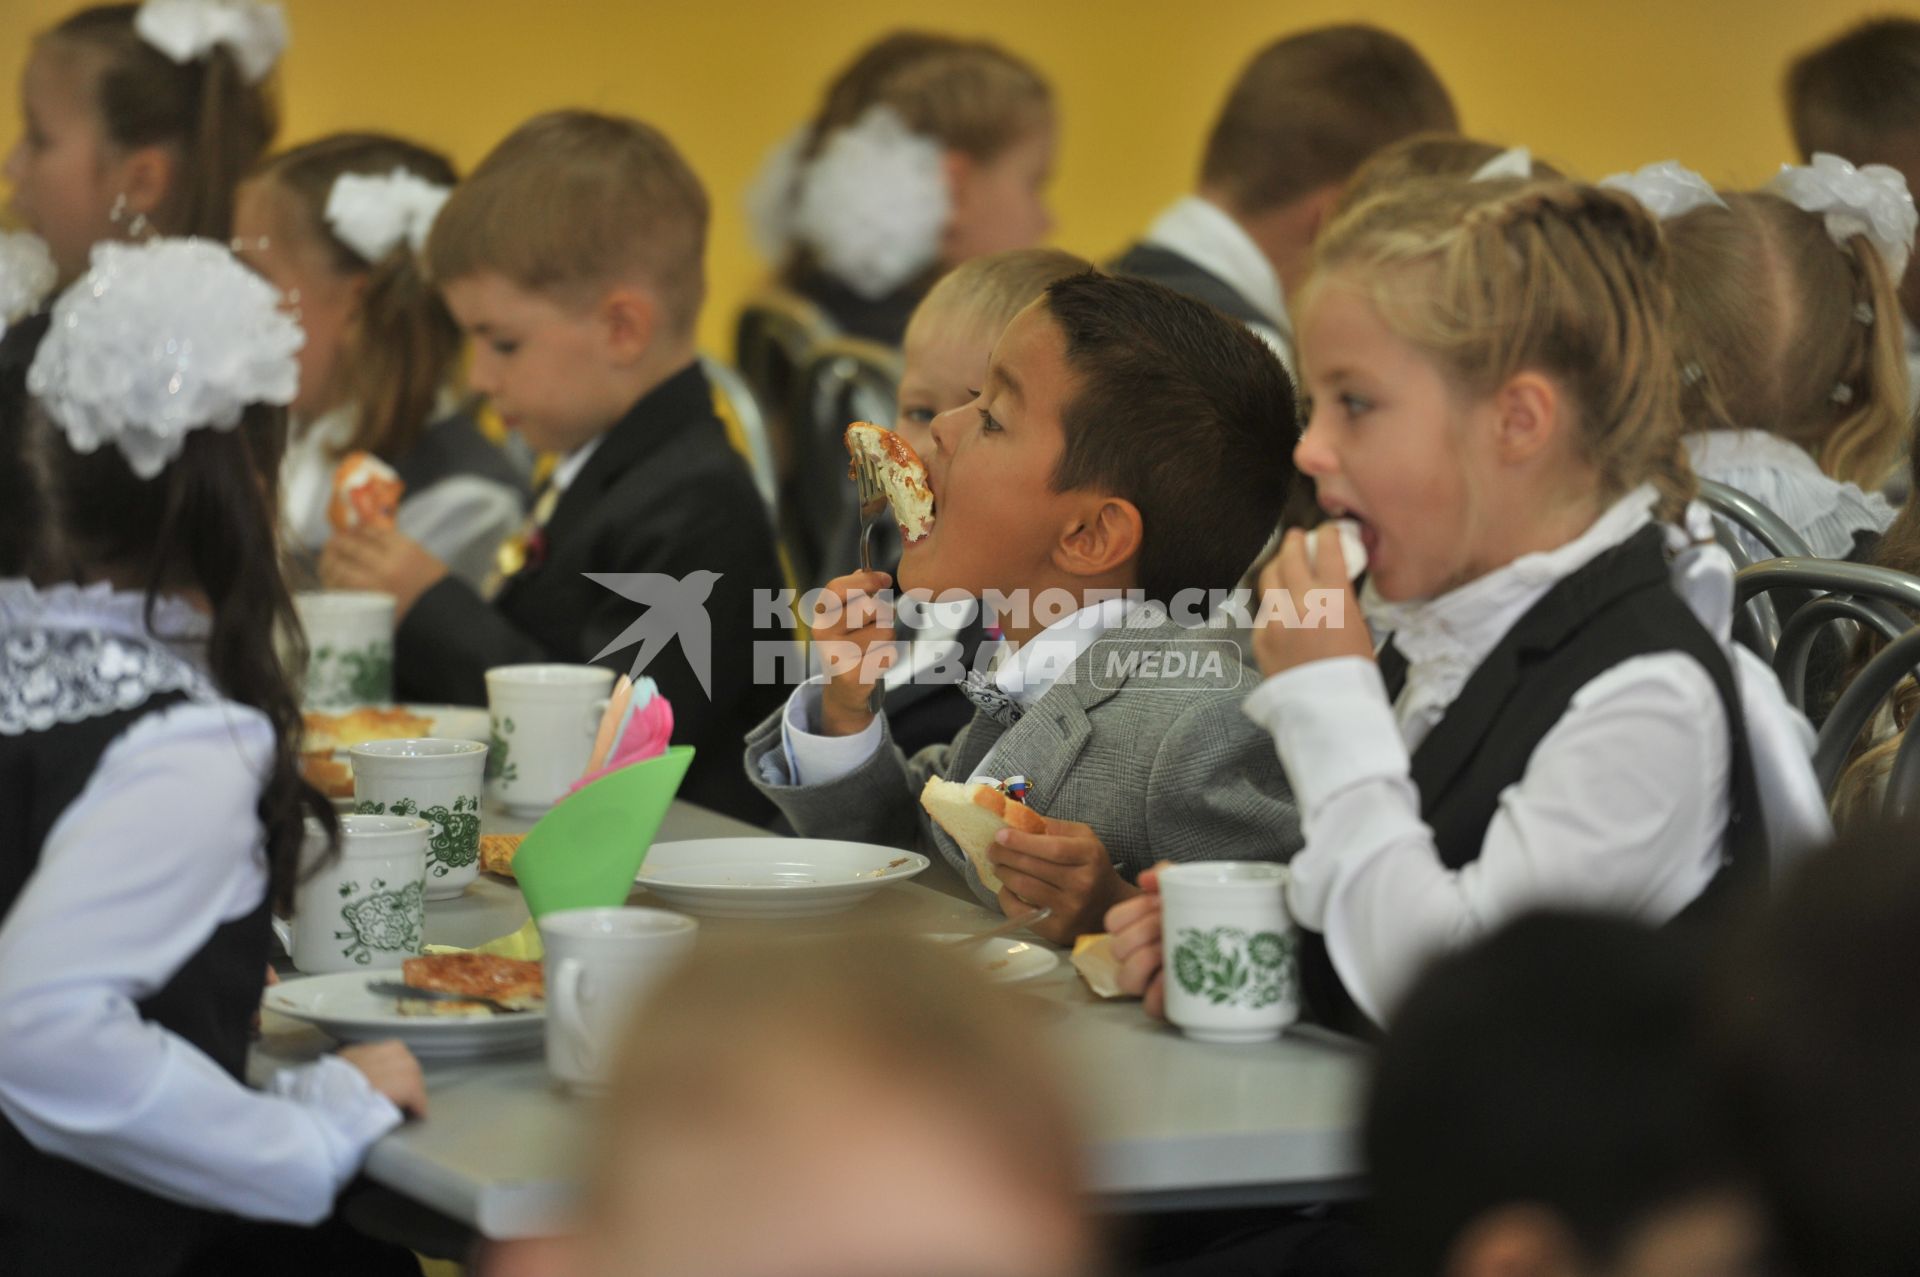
1135, 927
856, 647
1066, 869
383, 560
1323, 600
391, 1070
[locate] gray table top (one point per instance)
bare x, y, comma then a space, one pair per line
1171, 1122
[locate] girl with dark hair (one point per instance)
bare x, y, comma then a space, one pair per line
142, 119
337, 225
151, 809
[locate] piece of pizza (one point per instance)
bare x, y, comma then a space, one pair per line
366, 493
513, 981
902, 474
327, 733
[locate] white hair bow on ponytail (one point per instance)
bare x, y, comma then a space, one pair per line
374, 214
188, 30
1666, 189
158, 340
1515, 161
871, 205
1872, 201
27, 275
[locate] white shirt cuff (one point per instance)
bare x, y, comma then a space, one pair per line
818, 760
1333, 727
349, 1110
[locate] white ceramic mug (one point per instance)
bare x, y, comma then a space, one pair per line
349, 647
600, 964
543, 719
366, 909
1232, 968
440, 782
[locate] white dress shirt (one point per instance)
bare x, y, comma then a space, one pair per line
1622, 807
1024, 673
162, 846
1781, 476
1206, 235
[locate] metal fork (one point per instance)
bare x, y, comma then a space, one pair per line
873, 505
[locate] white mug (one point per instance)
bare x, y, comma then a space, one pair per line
440, 782
366, 909
1232, 970
543, 719
600, 963
349, 647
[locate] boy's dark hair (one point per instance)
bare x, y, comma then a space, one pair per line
1555, 1063
1310, 108
1819, 1036
1181, 411
1858, 95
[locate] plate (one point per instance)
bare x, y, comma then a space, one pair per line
340, 1006
1005, 960
772, 877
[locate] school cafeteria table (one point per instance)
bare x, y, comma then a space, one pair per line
1173, 1124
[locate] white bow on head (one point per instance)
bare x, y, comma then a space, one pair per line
373, 214
27, 275
1872, 201
873, 203
160, 339
187, 30
1666, 189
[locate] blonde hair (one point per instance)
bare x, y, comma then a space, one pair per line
1424, 155
1310, 108
573, 201
1780, 329
987, 292
404, 344
1492, 278
886, 1006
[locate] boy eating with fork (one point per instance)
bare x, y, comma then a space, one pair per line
1128, 454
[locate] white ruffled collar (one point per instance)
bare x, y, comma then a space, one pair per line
1444, 639
99, 606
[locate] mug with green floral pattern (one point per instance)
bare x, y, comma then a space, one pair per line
438, 781
1232, 970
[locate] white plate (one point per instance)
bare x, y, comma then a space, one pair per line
340, 1005
1004, 960
772, 877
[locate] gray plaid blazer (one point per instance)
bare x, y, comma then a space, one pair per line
1163, 767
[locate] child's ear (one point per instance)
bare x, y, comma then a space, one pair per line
146, 173
1104, 537
1515, 1241
1528, 410
630, 318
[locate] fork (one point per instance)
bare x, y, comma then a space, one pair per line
395, 989
873, 505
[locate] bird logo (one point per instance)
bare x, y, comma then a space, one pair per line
675, 607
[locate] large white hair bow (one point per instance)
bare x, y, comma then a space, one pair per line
873, 203
374, 214
1666, 189
187, 30
1871, 201
159, 339
27, 275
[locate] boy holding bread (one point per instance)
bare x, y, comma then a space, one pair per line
1126, 459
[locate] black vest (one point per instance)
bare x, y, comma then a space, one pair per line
1619, 606
1183, 276
57, 1216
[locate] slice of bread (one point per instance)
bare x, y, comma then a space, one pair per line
972, 815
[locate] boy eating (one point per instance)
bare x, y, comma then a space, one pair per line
1129, 452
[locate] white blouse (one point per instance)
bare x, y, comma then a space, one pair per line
1781, 476
161, 847
1622, 807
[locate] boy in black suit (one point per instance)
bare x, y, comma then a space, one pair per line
572, 260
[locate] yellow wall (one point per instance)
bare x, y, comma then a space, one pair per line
1597, 85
